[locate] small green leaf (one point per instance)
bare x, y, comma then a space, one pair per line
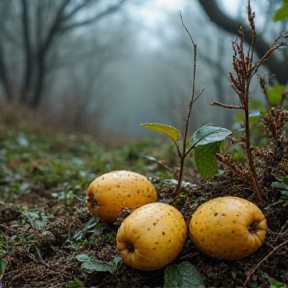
36, 219
237, 152
274, 283
275, 94
2, 269
76, 283
183, 275
207, 141
171, 276
92, 225
209, 134
93, 265
166, 129
284, 193
256, 111
281, 13
257, 105
205, 159
280, 186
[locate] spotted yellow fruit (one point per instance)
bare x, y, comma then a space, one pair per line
228, 228
108, 194
151, 236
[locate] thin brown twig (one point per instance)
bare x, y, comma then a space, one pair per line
200, 93
183, 154
216, 103
265, 258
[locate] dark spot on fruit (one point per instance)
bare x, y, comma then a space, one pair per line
163, 233
215, 214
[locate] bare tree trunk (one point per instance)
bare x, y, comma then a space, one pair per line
3, 77
28, 65
39, 81
52, 20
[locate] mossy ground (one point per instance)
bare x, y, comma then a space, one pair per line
45, 226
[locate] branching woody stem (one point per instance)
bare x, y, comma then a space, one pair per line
182, 154
242, 64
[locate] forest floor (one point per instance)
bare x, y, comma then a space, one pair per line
45, 225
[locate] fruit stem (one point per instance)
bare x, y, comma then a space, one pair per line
130, 246
253, 227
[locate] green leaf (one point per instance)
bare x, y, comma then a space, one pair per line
206, 141
237, 152
36, 219
257, 105
183, 275
275, 94
93, 265
280, 186
171, 276
205, 159
256, 111
2, 269
76, 283
274, 283
92, 225
281, 13
166, 129
209, 134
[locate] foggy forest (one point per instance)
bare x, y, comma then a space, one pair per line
143, 143
112, 65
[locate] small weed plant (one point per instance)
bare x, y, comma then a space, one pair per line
206, 140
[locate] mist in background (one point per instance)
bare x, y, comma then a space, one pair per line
131, 66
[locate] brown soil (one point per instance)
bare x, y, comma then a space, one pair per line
46, 258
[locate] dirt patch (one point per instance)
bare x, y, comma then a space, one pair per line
45, 249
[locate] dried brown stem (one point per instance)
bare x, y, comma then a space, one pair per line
244, 70
216, 103
264, 259
182, 154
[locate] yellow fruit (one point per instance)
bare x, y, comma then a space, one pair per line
228, 228
151, 236
108, 194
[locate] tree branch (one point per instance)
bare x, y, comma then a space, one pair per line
276, 66
97, 17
